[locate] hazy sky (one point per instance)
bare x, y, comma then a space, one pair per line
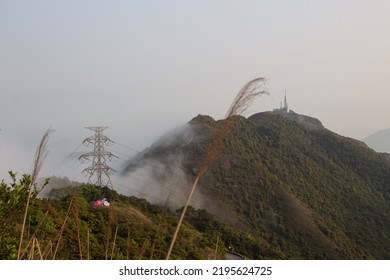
145, 67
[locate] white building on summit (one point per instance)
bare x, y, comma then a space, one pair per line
283, 106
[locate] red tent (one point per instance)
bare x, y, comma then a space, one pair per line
97, 203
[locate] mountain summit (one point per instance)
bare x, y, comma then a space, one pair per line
299, 189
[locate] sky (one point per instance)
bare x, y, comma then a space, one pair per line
145, 67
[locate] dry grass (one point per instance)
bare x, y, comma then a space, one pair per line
39, 159
245, 97
59, 236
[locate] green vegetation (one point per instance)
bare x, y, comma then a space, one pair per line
12, 198
280, 189
70, 227
309, 192
301, 191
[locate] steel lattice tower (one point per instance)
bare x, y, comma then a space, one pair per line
99, 156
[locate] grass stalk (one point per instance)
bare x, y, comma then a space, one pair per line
88, 244
216, 248
113, 244
39, 159
247, 94
59, 236
39, 249
128, 243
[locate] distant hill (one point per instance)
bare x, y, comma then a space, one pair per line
379, 141
302, 191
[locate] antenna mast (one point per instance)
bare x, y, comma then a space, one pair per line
99, 156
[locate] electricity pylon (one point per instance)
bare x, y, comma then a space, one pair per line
99, 156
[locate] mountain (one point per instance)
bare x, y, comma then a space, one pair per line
298, 190
282, 187
379, 141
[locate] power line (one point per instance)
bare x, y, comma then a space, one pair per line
129, 148
122, 156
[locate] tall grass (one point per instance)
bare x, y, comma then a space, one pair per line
243, 100
59, 236
40, 156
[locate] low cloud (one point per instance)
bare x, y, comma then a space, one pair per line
158, 173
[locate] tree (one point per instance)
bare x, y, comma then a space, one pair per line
13, 197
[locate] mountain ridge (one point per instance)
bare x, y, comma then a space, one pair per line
309, 192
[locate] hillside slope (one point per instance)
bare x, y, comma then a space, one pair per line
70, 227
300, 190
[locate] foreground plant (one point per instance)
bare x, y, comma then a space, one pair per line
243, 100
